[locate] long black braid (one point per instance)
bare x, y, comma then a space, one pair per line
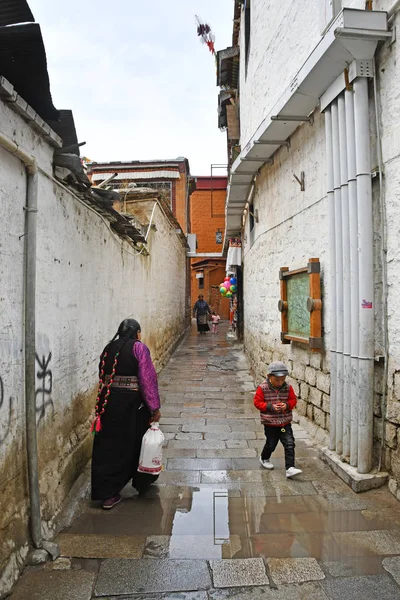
127, 330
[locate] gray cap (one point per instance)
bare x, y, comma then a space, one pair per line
278, 368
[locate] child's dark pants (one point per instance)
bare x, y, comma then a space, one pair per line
285, 435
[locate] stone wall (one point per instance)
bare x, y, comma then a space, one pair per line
88, 280
293, 225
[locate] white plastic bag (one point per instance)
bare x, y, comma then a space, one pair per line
150, 460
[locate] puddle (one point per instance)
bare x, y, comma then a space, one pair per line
208, 523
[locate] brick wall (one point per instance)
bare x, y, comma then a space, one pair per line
207, 214
180, 201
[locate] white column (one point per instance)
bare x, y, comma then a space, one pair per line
339, 277
354, 296
366, 276
332, 275
346, 277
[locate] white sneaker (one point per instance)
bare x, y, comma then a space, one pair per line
292, 472
266, 464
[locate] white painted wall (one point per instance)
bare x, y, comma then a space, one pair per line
293, 225
283, 34
88, 280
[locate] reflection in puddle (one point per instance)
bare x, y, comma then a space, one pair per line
208, 522
207, 519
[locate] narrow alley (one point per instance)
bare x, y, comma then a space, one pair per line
216, 525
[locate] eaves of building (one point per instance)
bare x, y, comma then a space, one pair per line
352, 36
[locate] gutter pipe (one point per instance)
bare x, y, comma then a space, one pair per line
366, 276
345, 225
393, 10
339, 277
332, 260
30, 333
354, 295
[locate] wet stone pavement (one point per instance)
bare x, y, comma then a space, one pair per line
217, 526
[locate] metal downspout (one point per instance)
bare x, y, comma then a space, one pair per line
354, 295
339, 278
346, 277
30, 333
30, 345
366, 276
332, 279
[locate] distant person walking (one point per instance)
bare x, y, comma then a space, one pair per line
201, 310
215, 319
127, 401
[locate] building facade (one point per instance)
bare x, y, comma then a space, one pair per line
170, 178
207, 218
314, 173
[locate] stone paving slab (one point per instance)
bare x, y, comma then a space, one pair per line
306, 591
242, 476
269, 488
238, 573
360, 543
182, 453
294, 570
173, 596
392, 566
210, 428
179, 477
125, 576
230, 435
369, 587
101, 546
355, 565
54, 585
228, 453
190, 546
197, 444
199, 464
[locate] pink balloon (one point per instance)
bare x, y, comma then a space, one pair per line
227, 284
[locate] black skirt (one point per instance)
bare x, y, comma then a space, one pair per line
202, 323
116, 448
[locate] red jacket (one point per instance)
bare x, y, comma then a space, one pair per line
261, 405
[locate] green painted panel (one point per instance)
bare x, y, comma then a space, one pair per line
298, 290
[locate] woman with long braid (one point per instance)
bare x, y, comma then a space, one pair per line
127, 401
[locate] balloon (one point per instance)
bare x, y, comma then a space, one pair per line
227, 285
229, 294
233, 280
233, 288
223, 290
227, 279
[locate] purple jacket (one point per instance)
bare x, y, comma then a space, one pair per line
147, 376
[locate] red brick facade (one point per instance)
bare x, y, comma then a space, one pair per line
207, 217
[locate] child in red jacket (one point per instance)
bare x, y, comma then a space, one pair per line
275, 399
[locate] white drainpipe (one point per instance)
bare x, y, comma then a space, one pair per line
29, 333
346, 277
332, 278
354, 295
366, 276
339, 278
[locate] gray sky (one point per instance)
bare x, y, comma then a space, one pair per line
140, 83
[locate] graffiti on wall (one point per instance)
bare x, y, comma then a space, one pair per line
44, 388
4, 431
